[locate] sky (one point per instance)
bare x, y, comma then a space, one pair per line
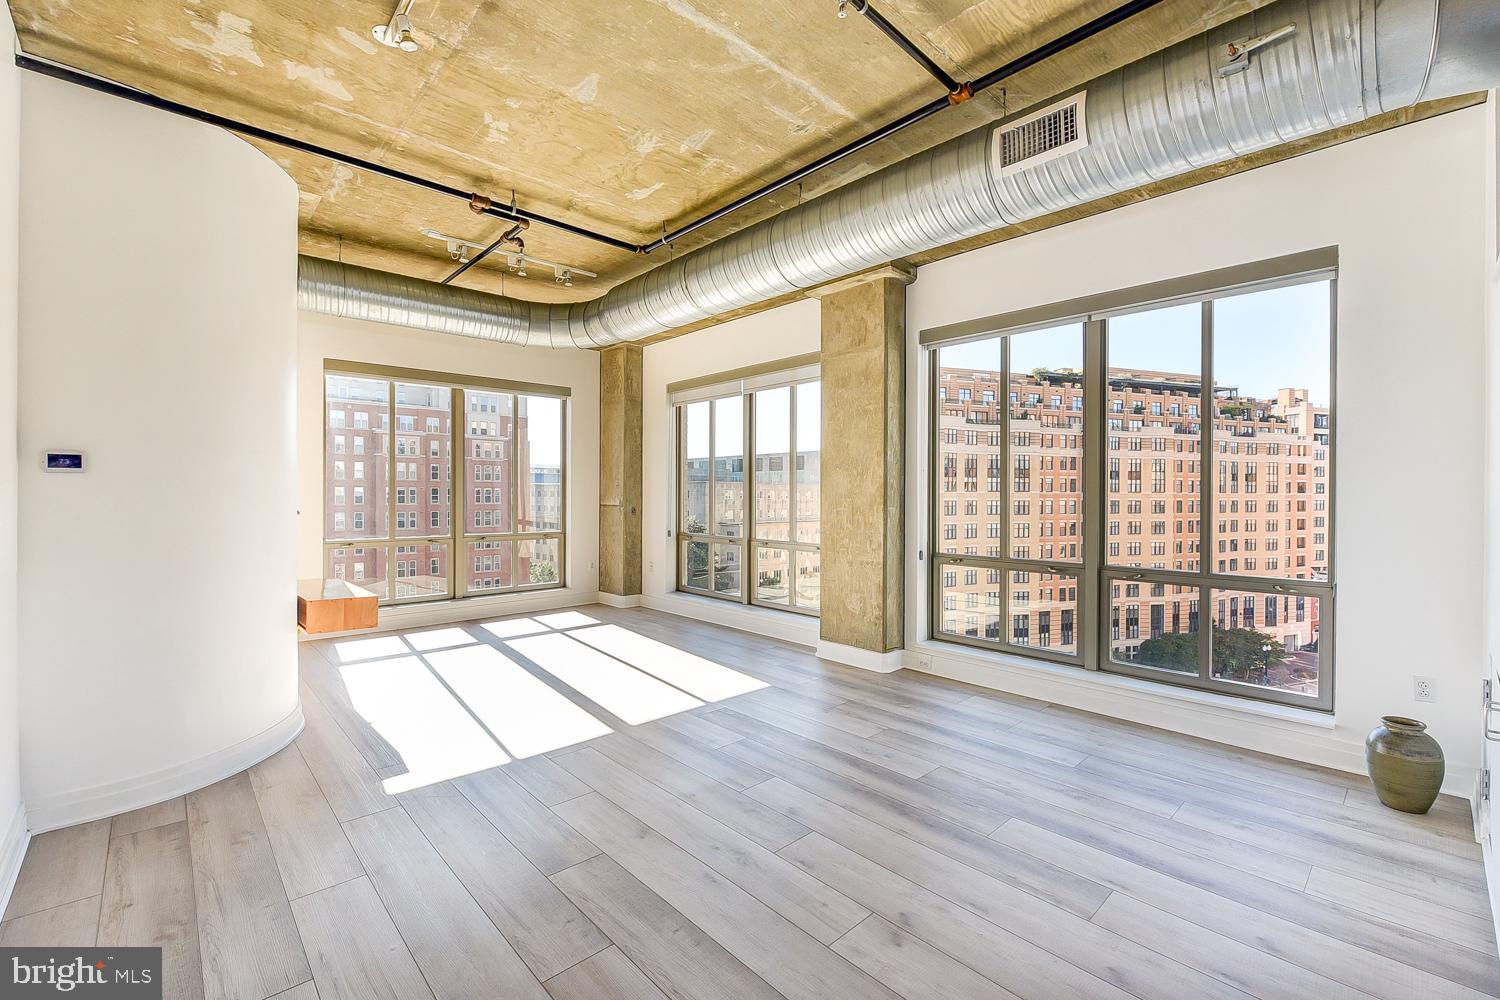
772, 422
1263, 341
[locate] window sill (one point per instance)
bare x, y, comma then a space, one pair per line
787, 626
1035, 673
439, 612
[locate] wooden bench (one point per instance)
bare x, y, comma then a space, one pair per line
335, 606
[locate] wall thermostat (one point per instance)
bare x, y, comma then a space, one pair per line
62, 461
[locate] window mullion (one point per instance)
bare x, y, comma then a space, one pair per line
1007, 492
390, 489
515, 487
1093, 601
458, 467
1207, 468
747, 505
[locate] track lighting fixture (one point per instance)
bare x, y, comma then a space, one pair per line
397, 32
511, 251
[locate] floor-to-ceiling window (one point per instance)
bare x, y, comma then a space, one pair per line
1146, 486
395, 520
748, 489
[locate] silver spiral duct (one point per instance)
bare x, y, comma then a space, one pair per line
1163, 115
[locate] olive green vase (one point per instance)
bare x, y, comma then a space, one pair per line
1405, 764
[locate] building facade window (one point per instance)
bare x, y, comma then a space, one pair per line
749, 497
1257, 361
402, 529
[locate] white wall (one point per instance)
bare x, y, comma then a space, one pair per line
784, 332
158, 334
12, 817
1405, 208
1490, 824
324, 337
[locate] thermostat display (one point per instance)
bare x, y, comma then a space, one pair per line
62, 461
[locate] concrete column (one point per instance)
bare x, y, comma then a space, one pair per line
863, 467
620, 470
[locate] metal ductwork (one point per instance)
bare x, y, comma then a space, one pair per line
1244, 86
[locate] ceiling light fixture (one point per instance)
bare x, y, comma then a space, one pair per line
513, 255
397, 32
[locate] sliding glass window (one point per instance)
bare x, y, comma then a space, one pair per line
1146, 490
761, 545
394, 521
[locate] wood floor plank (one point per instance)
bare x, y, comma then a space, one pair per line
545, 928
1254, 972
457, 947
160, 814
939, 730
305, 991
148, 903
247, 938
698, 727
355, 951
795, 964
818, 910
61, 866
1067, 890
547, 783
911, 966
71, 925
700, 757
311, 850
1467, 929
677, 955
1067, 935
975, 757
546, 841
828, 711
349, 784
1384, 961
1025, 795
1433, 880
766, 827
322, 676
885, 755
957, 806
995, 953
1260, 799
608, 975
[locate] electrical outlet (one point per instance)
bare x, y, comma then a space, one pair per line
1424, 689
924, 662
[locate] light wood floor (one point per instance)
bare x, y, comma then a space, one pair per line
832, 835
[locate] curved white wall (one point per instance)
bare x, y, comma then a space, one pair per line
158, 334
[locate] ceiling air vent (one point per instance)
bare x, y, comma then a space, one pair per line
1041, 136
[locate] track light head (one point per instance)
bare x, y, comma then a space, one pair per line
396, 34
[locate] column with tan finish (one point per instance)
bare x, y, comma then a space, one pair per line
620, 470
863, 466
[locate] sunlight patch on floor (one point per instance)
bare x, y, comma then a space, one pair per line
513, 628
354, 650
617, 688
442, 638
421, 721
566, 619
693, 674
525, 714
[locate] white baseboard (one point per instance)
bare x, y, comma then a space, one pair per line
12, 853
784, 625
865, 659
469, 609
52, 812
619, 600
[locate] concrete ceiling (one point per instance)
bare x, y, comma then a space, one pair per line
623, 116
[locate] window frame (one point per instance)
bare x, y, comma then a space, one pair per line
745, 385
456, 537
1096, 576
